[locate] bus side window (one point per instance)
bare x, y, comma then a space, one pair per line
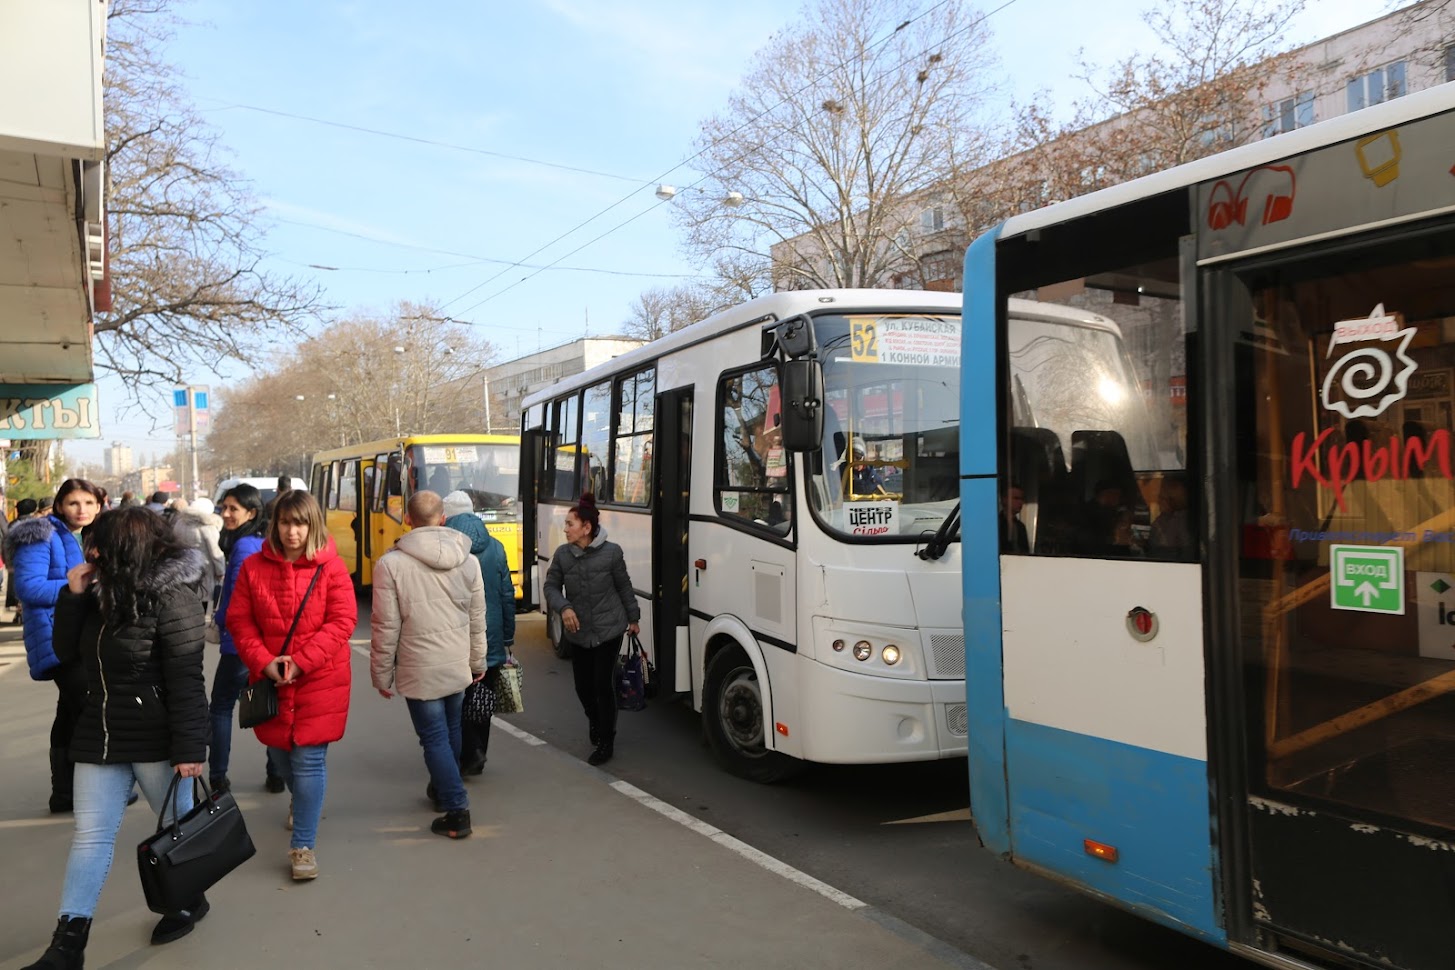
1039, 467
1110, 502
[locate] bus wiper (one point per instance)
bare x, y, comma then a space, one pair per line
948, 531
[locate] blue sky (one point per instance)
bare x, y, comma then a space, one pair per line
613, 86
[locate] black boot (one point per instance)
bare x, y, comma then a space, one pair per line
176, 925
61, 775
68, 946
603, 752
594, 735
452, 825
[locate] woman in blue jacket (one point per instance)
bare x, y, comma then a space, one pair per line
244, 528
499, 616
40, 552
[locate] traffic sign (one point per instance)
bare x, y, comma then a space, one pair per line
1369, 579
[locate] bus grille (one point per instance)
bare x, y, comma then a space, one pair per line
955, 720
949, 656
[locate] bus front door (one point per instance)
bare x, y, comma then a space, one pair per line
671, 481
1339, 579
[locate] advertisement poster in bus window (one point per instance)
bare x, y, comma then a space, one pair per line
906, 341
1366, 366
1435, 606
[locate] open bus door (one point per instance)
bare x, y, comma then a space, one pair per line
671, 490
531, 441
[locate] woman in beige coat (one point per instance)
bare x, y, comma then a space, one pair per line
428, 645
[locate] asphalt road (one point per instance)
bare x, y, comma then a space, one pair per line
897, 837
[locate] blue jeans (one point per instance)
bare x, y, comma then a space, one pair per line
100, 797
227, 684
304, 772
437, 723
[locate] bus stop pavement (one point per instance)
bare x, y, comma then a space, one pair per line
563, 869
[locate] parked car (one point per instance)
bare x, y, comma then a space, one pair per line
268, 486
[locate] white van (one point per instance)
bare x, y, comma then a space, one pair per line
268, 486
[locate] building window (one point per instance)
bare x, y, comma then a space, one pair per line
1450, 63
1288, 114
1379, 85
932, 219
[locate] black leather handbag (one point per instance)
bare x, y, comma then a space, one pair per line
259, 702
181, 861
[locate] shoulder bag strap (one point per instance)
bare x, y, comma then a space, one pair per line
299, 615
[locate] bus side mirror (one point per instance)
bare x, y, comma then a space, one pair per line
803, 413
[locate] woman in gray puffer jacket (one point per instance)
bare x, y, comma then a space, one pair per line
588, 585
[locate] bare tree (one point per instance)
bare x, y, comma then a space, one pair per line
362, 378
840, 123
184, 233
1201, 93
660, 311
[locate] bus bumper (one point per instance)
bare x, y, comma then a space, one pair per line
854, 719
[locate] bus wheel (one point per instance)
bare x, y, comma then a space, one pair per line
557, 635
732, 717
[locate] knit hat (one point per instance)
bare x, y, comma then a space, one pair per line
458, 503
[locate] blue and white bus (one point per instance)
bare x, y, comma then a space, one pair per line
1209, 545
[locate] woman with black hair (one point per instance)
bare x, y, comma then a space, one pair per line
130, 618
244, 527
588, 586
40, 551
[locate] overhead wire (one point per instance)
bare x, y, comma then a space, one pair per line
785, 100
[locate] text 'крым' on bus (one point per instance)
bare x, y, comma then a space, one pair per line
771, 473
1211, 670
365, 488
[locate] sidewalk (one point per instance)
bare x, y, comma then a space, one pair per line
562, 870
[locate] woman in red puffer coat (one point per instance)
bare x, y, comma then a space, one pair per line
313, 674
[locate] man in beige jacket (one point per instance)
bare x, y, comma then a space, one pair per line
429, 643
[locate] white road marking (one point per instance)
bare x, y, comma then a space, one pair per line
956, 815
516, 732
755, 856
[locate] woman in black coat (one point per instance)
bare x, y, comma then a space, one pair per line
588, 587
131, 617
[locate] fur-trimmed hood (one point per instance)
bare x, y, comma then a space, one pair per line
183, 569
27, 532
199, 517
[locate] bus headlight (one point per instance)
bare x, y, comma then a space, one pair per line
890, 655
839, 646
863, 650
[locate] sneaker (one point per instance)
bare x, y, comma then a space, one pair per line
452, 825
289, 824
305, 865
274, 784
473, 767
220, 784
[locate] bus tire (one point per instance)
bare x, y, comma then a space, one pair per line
732, 719
556, 634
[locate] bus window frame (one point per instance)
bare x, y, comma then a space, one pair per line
394, 485
719, 471
619, 383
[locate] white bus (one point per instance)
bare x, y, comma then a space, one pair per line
782, 479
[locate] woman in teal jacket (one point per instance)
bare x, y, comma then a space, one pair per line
499, 616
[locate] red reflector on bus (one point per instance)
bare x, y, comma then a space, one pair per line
781, 728
1100, 850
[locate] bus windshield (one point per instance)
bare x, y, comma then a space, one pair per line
487, 473
890, 456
